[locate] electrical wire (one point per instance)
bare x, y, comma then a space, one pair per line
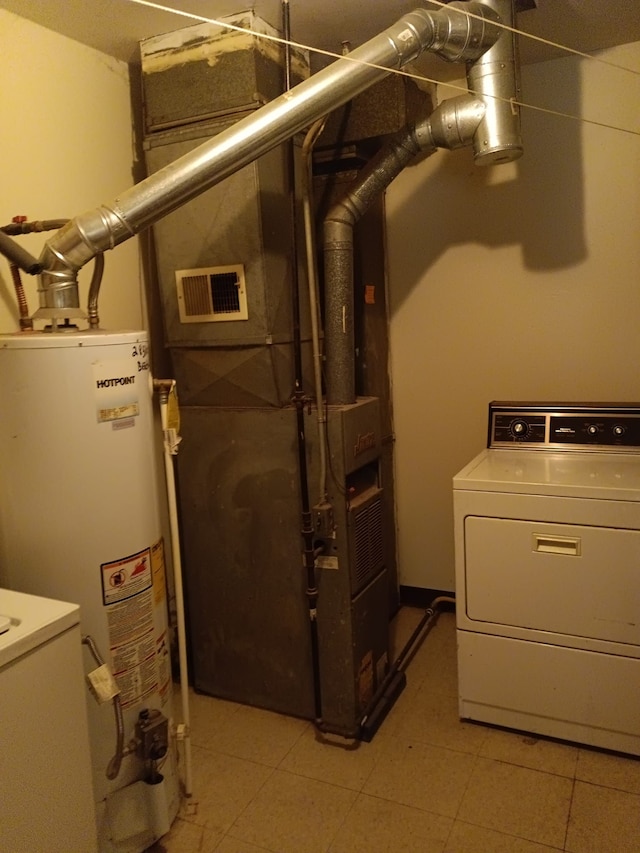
412, 75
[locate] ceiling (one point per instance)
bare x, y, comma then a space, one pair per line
115, 27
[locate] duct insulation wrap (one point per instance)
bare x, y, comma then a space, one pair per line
80, 522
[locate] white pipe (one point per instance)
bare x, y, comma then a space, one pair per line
310, 245
170, 449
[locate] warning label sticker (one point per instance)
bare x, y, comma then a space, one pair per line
135, 669
164, 665
127, 577
133, 646
140, 653
158, 571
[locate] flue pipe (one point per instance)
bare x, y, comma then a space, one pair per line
446, 32
450, 125
488, 119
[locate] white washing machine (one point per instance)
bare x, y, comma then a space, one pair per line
46, 795
547, 538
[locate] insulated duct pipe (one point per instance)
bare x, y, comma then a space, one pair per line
451, 125
488, 120
448, 32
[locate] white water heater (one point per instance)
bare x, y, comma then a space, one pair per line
80, 522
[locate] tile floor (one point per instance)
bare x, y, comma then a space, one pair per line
427, 783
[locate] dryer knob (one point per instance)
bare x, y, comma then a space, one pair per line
592, 429
519, 429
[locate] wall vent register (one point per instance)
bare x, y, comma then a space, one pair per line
212, 294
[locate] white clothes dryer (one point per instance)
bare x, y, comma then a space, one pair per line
547, 539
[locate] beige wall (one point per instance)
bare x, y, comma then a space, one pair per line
65, 130
520, 282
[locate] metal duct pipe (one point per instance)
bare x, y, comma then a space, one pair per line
17, 255
495, 77
489, 120
446, 32
339, 332
451, 125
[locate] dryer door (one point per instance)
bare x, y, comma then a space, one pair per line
572, 580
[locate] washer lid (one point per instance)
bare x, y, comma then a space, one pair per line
609, 476
34, 620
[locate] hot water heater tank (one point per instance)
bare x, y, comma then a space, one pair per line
79, 521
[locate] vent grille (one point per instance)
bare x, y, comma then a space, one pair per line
212, 294
368, 542
195, 292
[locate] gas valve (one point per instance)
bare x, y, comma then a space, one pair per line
152, 734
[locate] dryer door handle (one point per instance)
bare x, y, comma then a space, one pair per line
545, 544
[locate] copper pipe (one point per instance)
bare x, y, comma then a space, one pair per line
23, 308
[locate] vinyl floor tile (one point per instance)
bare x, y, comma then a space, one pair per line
207, 714
380, 826
466, 838
292, 814
423, 776
257, 735
430, 717
603, 820
530, 751
518, 801
185, 837
332, 759
610, 771
234, 845
223, 786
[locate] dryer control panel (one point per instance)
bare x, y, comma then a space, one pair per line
565, 426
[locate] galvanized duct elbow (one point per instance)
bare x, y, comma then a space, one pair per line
453, 124
495, 78
445, 32
488, 120
76, 243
